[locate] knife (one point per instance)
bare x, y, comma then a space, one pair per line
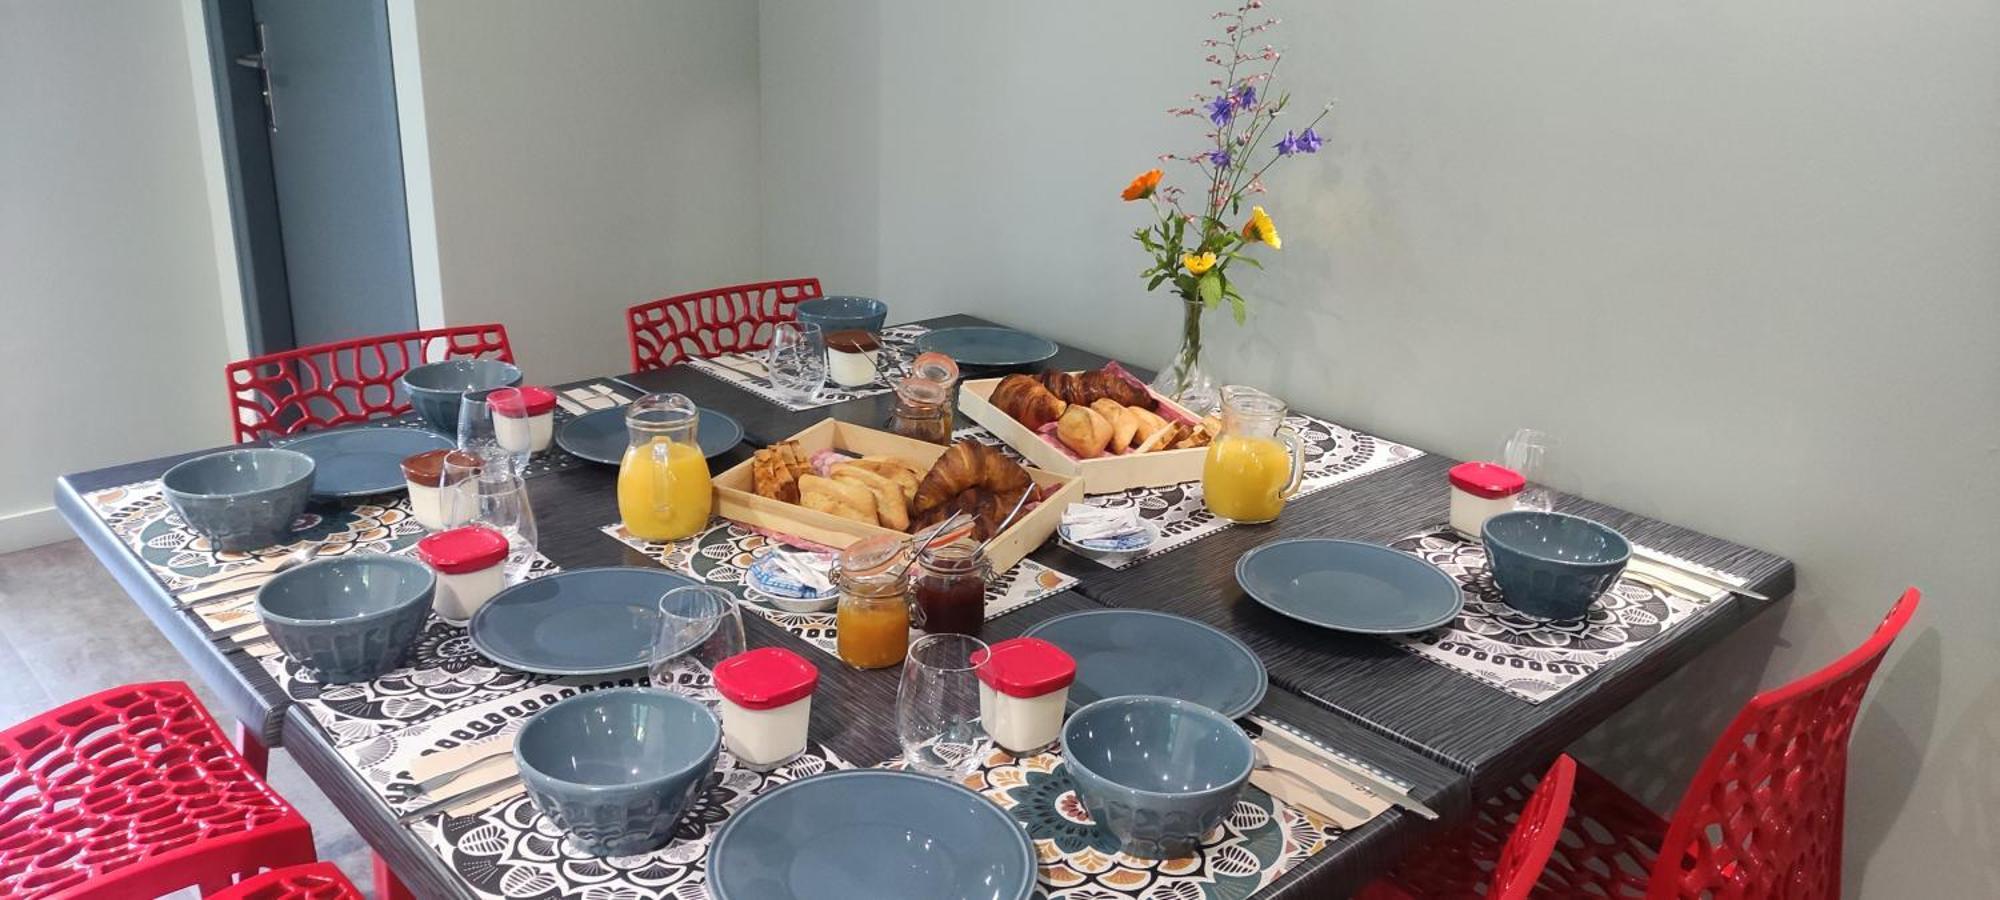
1373, 783
440, 805
1664, 561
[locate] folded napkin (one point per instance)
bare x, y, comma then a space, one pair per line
1083, 522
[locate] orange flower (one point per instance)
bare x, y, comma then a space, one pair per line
1142, 186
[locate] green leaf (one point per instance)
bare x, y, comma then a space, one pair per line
1210, 289
1237, 309
1155, 283
1248, 260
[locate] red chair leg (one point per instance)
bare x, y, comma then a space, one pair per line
387, 885
251, 743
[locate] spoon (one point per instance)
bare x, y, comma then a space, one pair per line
1027, 492
917, 547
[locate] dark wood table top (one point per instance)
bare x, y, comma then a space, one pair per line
1451, 736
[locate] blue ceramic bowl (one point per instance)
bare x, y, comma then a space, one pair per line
349, 618
833, 314
1157, 773
435, 389
241, 499
1550, 564
614, 768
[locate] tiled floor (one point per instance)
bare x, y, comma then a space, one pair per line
67, 629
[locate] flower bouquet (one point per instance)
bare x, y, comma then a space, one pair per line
1193, 250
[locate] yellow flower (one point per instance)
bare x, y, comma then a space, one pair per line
1198, 264
1260, 228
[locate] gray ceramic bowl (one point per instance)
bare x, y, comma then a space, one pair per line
241, 499
348, 618
1550, 564
833, 314
1156, 772
435, 389
614, 768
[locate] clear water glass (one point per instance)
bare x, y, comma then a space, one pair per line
797, 360
476, 434
497, 499
699, 627
1530, 452
937, 707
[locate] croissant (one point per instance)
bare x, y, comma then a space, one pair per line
1089, 387
970, 477
1027, 401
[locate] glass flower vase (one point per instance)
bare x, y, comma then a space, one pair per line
1185, 379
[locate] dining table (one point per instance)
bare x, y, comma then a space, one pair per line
1456, 730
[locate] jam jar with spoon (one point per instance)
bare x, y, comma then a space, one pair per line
872, 621
950, 588
924, 399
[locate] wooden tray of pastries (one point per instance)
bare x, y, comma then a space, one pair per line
1104, 426
837, 482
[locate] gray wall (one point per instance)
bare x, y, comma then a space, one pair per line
584, 158
111, 318
1743, 259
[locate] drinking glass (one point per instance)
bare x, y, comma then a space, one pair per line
497, 498
937, 706
699, 627
797, 360
476, 434
1529, 452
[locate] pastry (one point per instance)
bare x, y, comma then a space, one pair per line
841, 498
775, 471
1090, 387
1162, 438
971, 477
1084, 431
1027, 401
891, 511
903, 474
1124, 422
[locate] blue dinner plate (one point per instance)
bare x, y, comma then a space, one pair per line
357, 462
600, 436
984, 345
580, 622
871, 834
1349, 586
1121, 652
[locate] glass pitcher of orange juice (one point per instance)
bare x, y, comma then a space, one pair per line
1255, 464
664, 493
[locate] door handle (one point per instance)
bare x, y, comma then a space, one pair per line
261, 61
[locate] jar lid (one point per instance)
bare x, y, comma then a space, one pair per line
461, 550
1025, 667
765, 678
852, 341
427, 468
1489, 480
521, 402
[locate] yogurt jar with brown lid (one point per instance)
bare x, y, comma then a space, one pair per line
437, 505
851, 356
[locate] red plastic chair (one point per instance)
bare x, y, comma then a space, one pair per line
1525, 851
134, 792
1761, 819
713, 322
344, 381
313, 881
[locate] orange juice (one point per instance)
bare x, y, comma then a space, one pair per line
1244, 477
664, 502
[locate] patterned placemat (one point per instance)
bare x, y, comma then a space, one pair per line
724, 552
898, 348
1261, 839
512, 851
1334, 454
1533, 658
139, 515
443, 672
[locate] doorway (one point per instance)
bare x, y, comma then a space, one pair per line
306, 101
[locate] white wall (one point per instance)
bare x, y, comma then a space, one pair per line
114, 337
1743, 259
584, 157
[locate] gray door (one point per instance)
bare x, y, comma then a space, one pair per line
336, 168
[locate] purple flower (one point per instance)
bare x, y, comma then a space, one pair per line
1310, 142
1218, 158
1288, 145
1246, 96
1304, 142
1221, 110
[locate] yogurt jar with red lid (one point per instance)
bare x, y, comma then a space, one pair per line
471, 566
766, 705
1480, 491
524, 418
1023, 688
